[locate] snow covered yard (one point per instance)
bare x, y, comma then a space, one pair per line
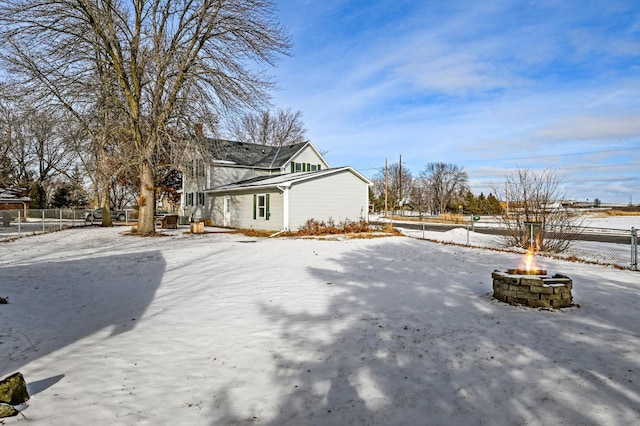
224, 329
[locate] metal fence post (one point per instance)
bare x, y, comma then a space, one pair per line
634, 249
43, 221
19, 224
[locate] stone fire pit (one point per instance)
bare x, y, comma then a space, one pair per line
532, 288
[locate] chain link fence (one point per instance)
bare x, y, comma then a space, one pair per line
616, 247
605, 246
19, 223
608, 246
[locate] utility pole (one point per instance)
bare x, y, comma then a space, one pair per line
386, 186
400, 182
506, 196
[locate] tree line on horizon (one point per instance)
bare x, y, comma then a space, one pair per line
437, 189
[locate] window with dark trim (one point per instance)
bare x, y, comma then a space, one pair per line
305, 167
261, 206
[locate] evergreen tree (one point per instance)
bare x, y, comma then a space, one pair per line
470, 203
38, 196
62, 196
493, 205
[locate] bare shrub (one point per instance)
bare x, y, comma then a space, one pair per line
534, 216
313, 227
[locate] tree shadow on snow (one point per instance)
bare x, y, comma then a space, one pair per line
55, 304
419, 340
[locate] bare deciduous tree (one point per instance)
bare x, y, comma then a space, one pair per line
535, 218
282, 128
164, 62
9, 177
34, 147
447, 182
421, 196
396, 182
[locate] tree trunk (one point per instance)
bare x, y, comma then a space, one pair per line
104, 182
107, 220
146, 201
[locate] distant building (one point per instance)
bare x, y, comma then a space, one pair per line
11, 200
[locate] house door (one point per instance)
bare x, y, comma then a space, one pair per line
227, 211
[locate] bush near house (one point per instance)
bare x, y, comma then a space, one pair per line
315, 227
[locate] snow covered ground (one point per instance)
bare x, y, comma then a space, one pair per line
220, 328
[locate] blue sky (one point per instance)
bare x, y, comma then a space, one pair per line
487, 85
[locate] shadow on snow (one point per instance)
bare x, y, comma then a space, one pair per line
423, 342
51, 308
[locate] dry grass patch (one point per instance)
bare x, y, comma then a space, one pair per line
328, 231
255, 233
443, 218
623, 212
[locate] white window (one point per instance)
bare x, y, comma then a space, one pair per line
261, 206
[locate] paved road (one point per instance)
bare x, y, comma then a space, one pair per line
600, 237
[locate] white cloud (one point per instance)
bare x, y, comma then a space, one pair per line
592, 128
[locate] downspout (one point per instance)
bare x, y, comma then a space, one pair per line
285, 207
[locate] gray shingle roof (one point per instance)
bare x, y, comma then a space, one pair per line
283, 180
253, 155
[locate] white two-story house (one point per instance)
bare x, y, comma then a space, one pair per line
252, 186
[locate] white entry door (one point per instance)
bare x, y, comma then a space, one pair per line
227, 210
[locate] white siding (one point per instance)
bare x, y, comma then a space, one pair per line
307, 155
216, 176
221, 175
216, 205
242, 210
341, 196
193, 186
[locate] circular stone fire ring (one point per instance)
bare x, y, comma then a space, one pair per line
532, 288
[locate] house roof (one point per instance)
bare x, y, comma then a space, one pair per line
11, 195
253, 155
284, 180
